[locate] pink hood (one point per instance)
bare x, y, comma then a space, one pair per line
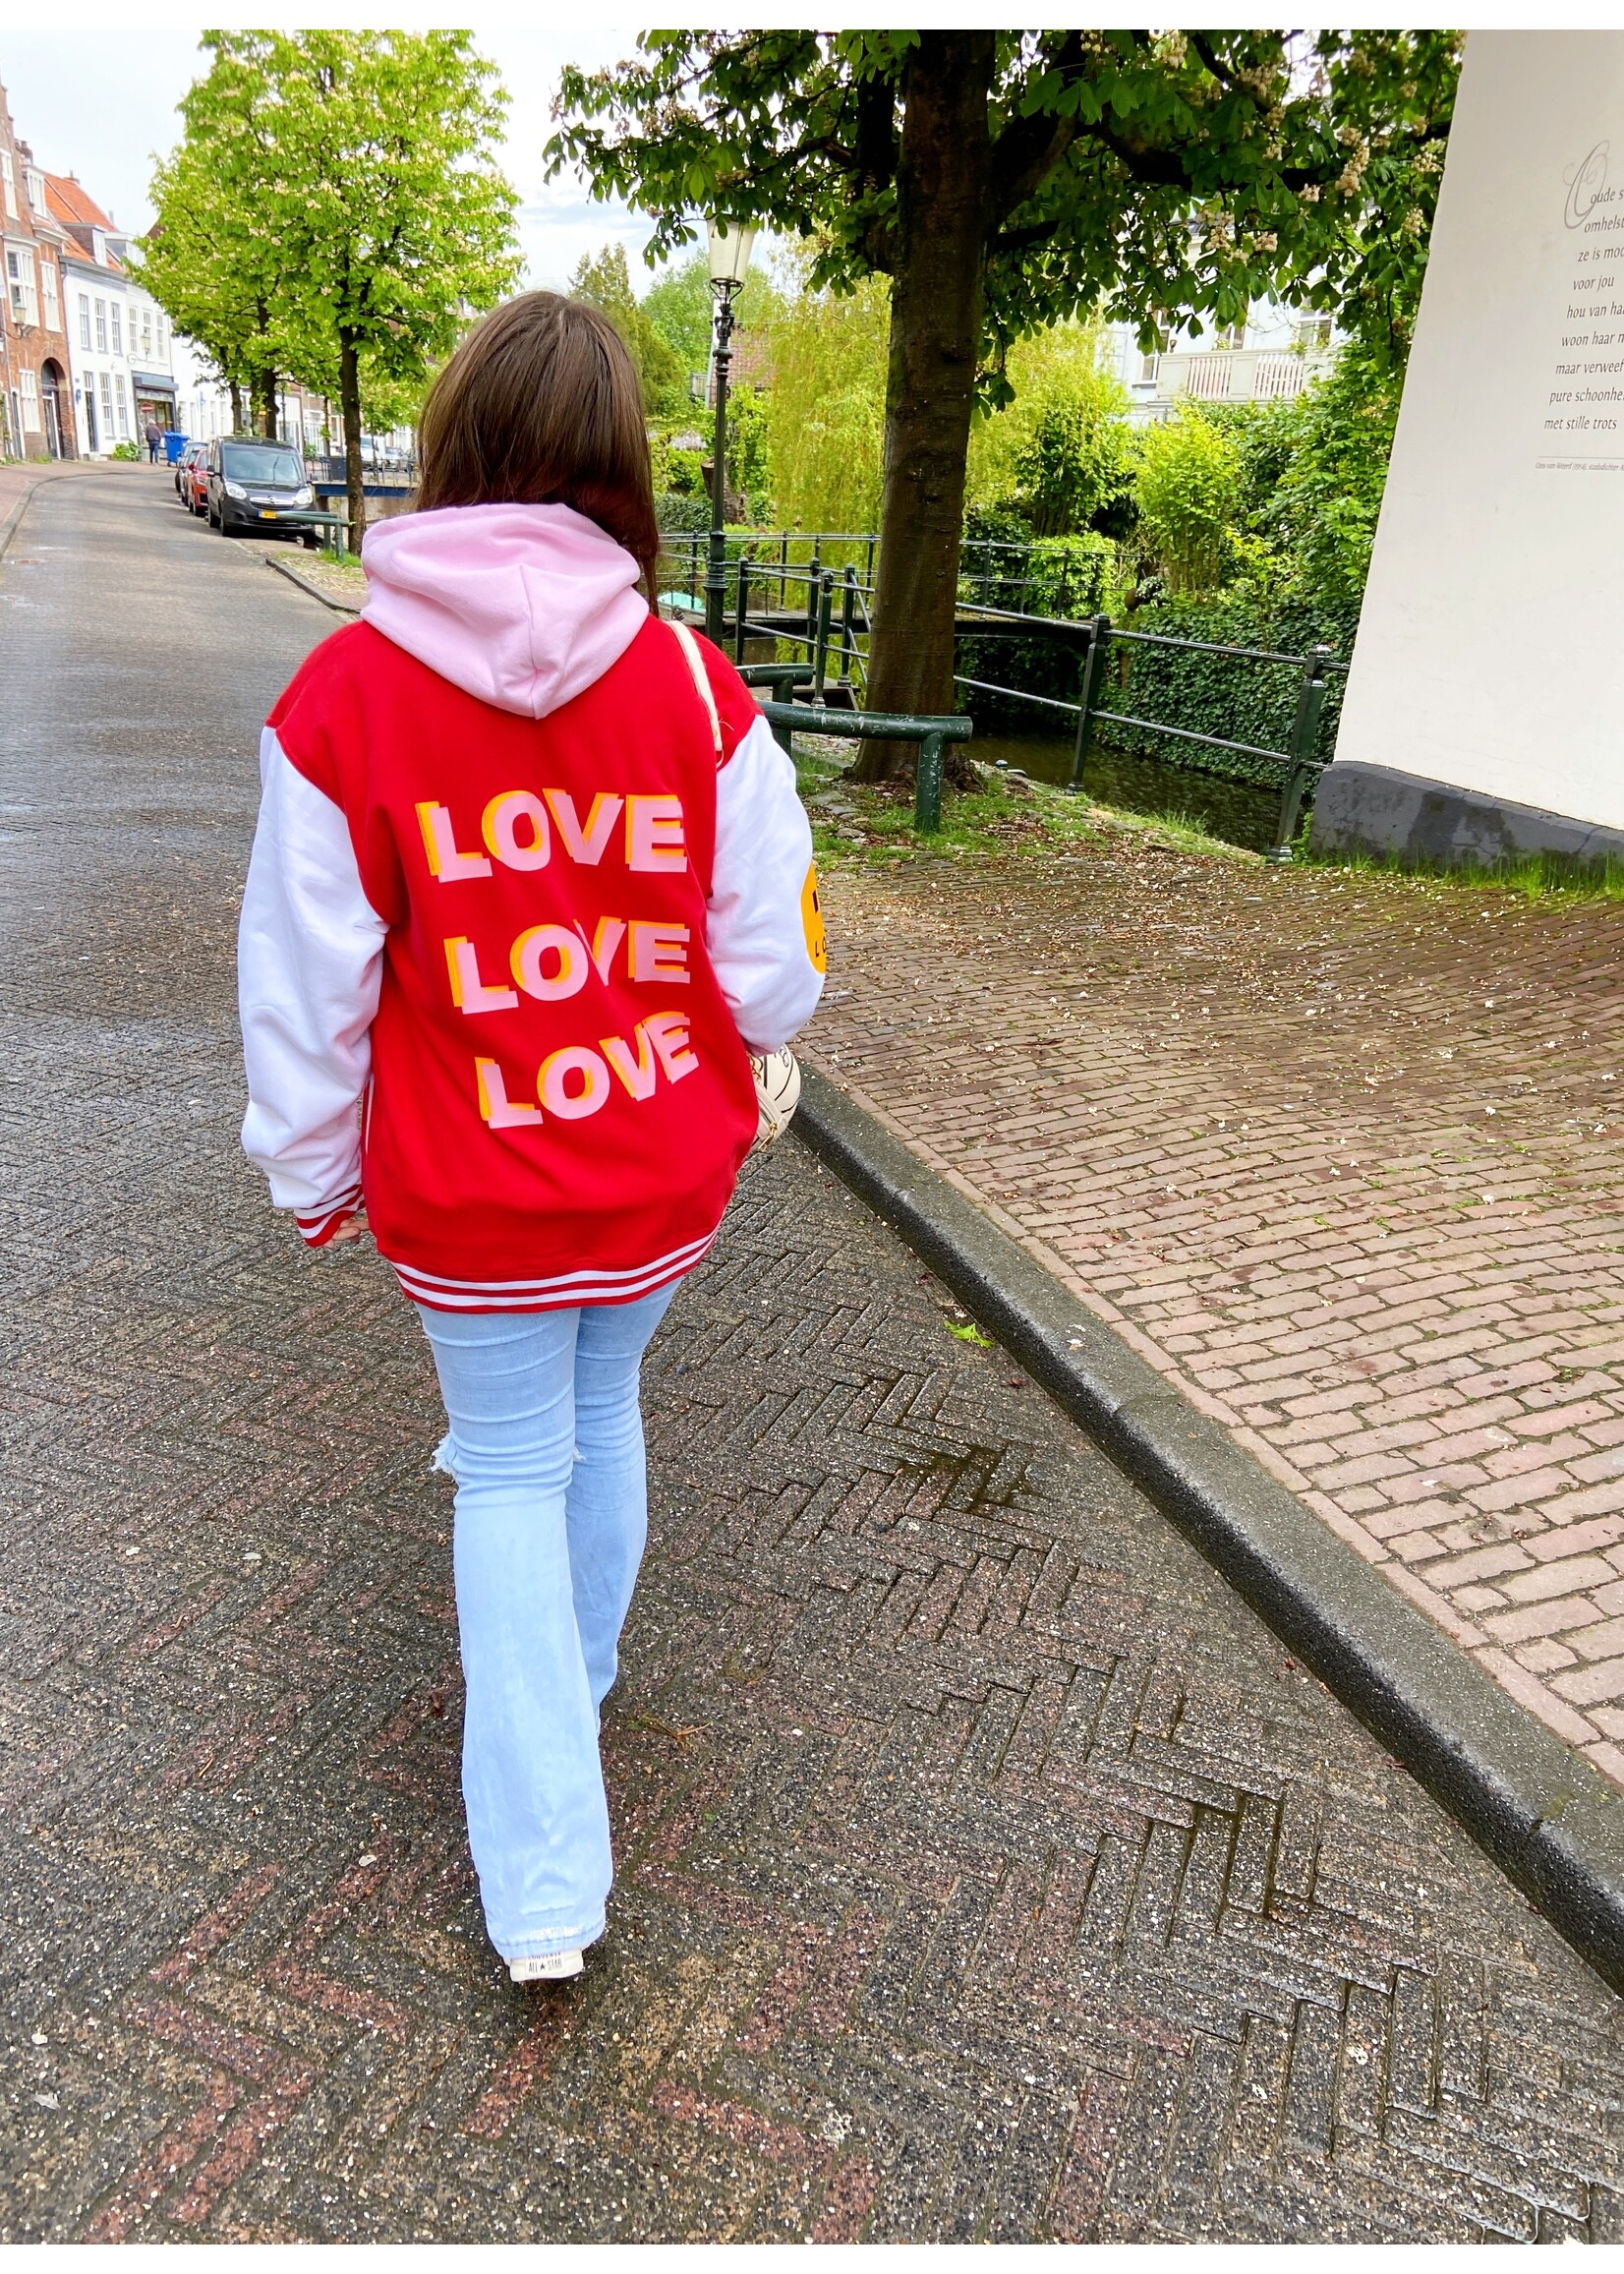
523, 605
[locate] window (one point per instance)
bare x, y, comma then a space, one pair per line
1149, 365
53, 305
101, 325
107, 406
85, 319
25, 299
1313, 333
158, 320
33, 181
118, 330
123, 406
263, 463
1229, 335
8, 179
31, 399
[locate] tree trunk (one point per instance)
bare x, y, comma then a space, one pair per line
240, 423
265, 392
349, 404
936, 308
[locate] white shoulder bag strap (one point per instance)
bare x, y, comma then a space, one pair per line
696, 664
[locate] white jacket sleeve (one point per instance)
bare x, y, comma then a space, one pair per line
310, 958
764, 929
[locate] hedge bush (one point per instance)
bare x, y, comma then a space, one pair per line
1245, 702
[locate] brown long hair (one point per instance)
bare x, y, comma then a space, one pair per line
540, 406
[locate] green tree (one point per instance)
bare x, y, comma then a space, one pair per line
1061, 450
680, 306
750, 449
1005, 179
1188, 491
366, 159
826, 409
1322, 512
215, 268
601, 278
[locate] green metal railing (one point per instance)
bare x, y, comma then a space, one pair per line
1298, 759
831, 624
933, 734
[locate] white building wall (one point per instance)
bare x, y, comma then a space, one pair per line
1488, 661
149, 344
97, 318
1274, 355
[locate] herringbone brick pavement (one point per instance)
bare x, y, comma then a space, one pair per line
986, 1870
1340, 1155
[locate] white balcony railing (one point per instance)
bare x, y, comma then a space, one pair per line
1236, 374
1278, 376
1207, 377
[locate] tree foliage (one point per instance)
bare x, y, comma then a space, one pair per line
1060, 452
1188, 491
1320, 513
826, 409
1162, 175
214, 266
1005, 180
346, 185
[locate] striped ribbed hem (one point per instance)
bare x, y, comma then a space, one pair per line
562, 1291
318, 1227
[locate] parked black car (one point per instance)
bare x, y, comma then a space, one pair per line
258, 485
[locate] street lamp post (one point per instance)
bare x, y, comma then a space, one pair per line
731, 248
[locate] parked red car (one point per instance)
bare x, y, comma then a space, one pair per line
190, 477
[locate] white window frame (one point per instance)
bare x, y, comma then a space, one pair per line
53, 301
8, 181
84, 322
118, 327
101, 327
122, 395
34, 183
33, 423
21, 290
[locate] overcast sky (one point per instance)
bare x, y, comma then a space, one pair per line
101, 105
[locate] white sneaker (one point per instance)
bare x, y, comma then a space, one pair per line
556, 1967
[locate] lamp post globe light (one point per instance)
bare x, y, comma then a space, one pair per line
731, 244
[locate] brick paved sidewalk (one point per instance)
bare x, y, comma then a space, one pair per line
1339, 1155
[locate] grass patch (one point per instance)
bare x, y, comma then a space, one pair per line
873, 822
1534, 876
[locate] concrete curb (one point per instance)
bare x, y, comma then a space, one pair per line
339, 607
1549, 1820
11, 521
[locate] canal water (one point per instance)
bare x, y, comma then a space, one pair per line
1238, 812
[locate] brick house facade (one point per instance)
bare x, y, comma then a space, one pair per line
36, 395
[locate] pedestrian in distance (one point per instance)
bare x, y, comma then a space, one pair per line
154, 442
531, 881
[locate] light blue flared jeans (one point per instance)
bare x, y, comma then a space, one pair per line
545, 1445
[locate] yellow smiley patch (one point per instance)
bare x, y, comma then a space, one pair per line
817, 943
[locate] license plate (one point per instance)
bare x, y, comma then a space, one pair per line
265, 514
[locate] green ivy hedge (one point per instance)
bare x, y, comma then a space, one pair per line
1245, 702
1224, 695
681, 511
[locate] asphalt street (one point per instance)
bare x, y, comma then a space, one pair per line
986, 1870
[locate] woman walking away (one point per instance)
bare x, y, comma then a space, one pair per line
531, 879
